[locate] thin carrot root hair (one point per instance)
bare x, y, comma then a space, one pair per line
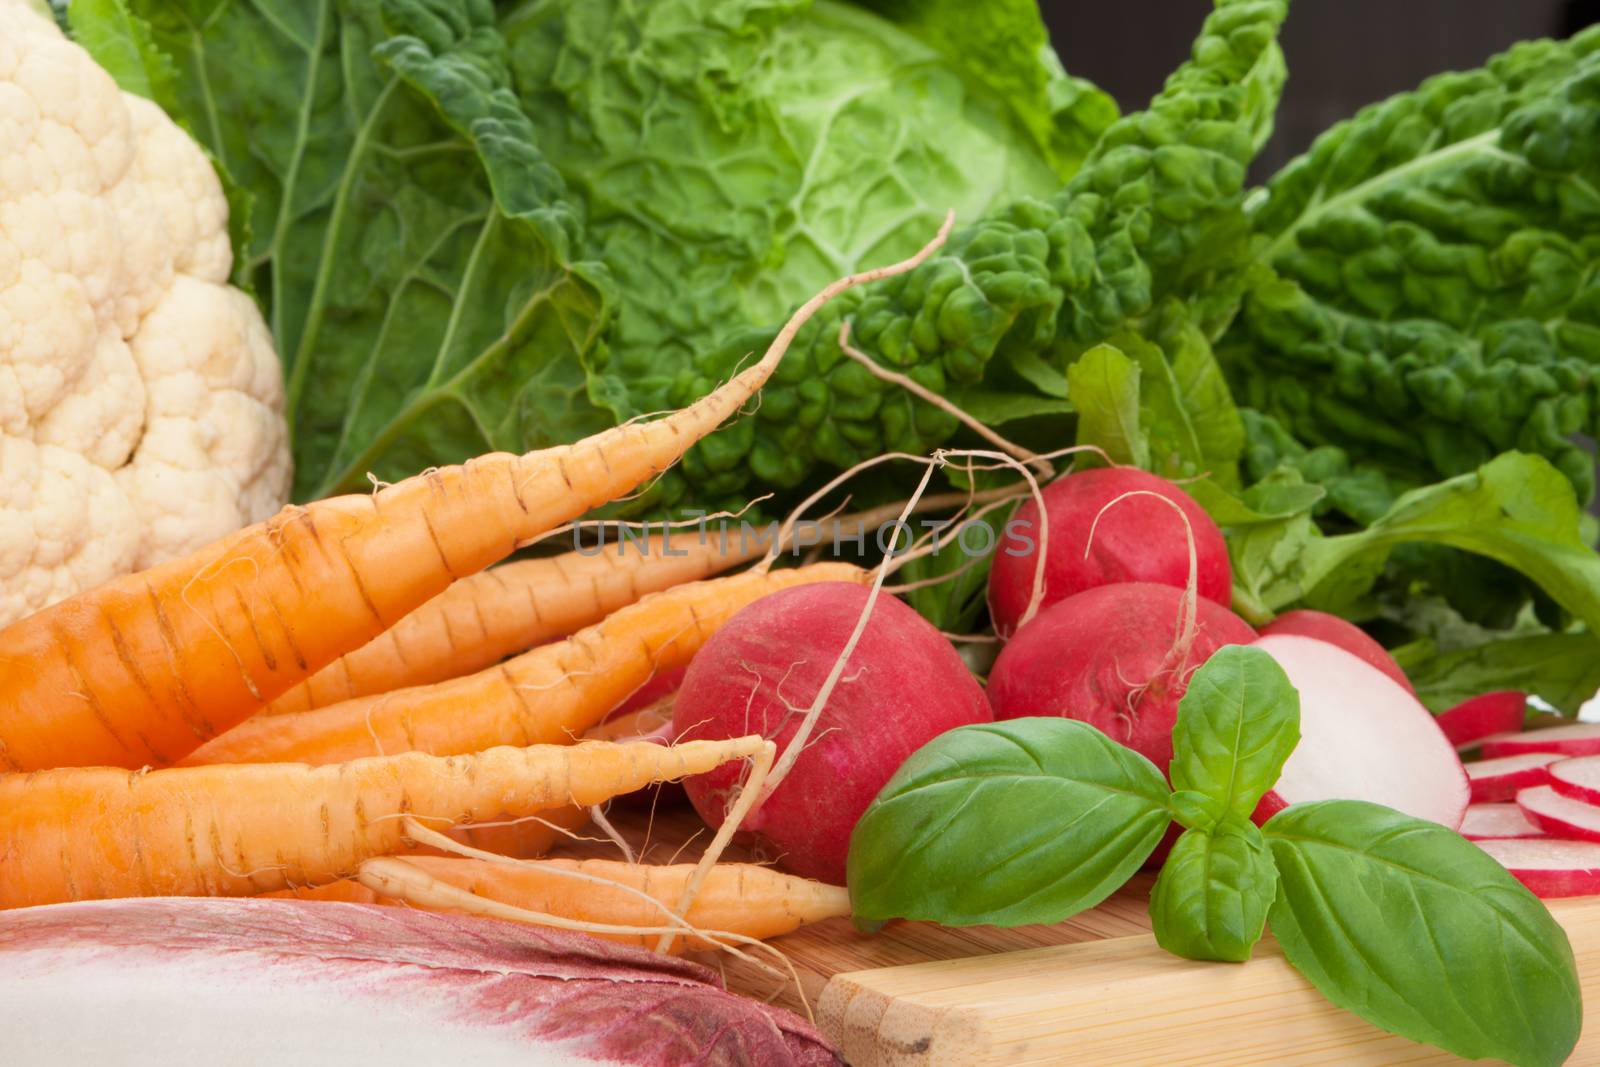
1188, 626
602, 525
928, 396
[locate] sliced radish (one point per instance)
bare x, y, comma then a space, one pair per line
1577, 778
1560, 816
1362, 737
1548, 866
1503, 778
1578, 739
1496, 820
1469, 722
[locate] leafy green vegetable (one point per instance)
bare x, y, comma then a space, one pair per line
1025, 821
737, 155
1238, 721
121, 42
1417, 930
1563, 669
418, 257
956, 602
1211, 899
1436, 300
1517, 509
1013, 298
1105, 386
1002, 45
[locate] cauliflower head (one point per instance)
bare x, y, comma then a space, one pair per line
141, 404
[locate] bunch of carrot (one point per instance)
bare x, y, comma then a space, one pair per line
330, 687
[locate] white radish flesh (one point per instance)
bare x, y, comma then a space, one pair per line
1578, 739
1548, 866
171, 981
1578, 779
1496, 820
1560, 816
1504, 778
1362, 737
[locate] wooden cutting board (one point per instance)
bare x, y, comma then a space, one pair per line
1095, 989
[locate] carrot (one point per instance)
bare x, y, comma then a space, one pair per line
147, 667
548, 695
483, 618
738, 898
524, 838
97, 832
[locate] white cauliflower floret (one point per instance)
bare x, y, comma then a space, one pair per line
141, 401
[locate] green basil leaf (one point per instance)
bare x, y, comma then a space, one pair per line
1418, 931
1237, 722
1196, 811
1211, 899
1007, 823
1104, 386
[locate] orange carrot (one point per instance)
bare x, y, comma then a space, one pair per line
481, 619
523, 838
548, 695
147, 667
737, 898
96, 832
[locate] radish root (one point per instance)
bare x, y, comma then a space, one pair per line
1183, 640
928, 396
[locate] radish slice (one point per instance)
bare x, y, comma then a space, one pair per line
1560, 816
1469, 722
169, 980
1496, 820
1502, 779
1362, 737
1549, 867
1578, 739
1578, 778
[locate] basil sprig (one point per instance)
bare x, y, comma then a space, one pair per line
1397, 919
1004, 824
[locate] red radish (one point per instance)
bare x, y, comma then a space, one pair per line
1469, 722
1559, 816
1577, 739
1340, 633
277, 981
1496, 820
1550, 867
1577, 779
1139, 540
1110, 657
1504, 778
658, 686
903, 685
1362, 737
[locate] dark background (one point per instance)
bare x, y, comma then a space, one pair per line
1341, 53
